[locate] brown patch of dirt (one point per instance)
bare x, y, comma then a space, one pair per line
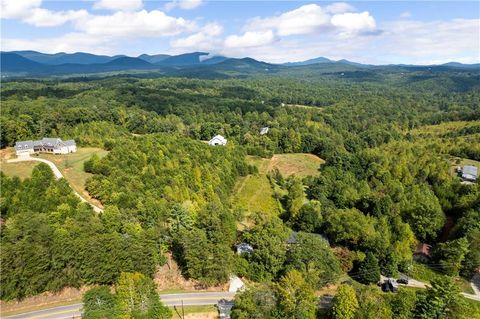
169, 277
327, 290
65, 296
289, 166
7, 153
285, 168
91, 199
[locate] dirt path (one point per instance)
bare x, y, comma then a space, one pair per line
57, 174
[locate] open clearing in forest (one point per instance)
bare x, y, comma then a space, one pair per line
71, 166
299, 164
254, 192
457, 161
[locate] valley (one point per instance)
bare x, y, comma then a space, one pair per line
323, 178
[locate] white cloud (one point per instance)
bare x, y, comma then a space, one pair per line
306, 19
206, 39
183, 4
192, 41
45, 18
429, 42
313, 18
213, 29
335, 31
250, 39
406, 14
139, 24
118, 5
29, 11
352, 23
402, 41
189, 4
339, 7
16, 9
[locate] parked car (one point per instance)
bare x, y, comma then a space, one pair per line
389, 285
403, 281
385, 287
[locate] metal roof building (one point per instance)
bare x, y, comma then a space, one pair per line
470, 173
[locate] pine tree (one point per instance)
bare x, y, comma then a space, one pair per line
369, 271
345, 303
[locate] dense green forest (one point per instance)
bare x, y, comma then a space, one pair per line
387, 185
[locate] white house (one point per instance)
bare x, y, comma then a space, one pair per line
45, 145
24, 148
218, 140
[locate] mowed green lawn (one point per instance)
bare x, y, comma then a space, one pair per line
22, 169
254, 193
71, 166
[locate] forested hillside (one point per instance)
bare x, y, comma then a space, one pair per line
390, 145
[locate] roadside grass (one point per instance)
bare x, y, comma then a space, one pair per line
424, 273
172, 291
200, 312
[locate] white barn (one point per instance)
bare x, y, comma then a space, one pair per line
45, 145
218, 140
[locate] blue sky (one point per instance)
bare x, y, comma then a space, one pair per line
377, 32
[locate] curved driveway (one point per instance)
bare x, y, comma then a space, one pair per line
57, 174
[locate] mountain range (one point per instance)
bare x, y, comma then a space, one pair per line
195, 64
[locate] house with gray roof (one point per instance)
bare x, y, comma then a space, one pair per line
244, 248
24, 148
45, 145
470, 173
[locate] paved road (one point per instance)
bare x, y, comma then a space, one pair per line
419, 284
57, 174
75, 310
61, 312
